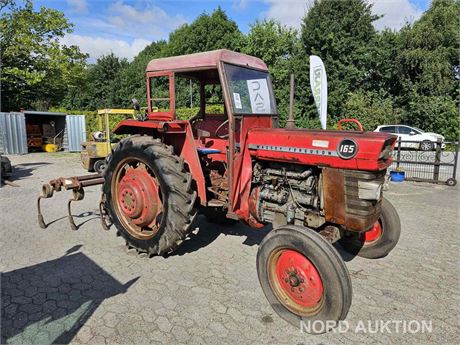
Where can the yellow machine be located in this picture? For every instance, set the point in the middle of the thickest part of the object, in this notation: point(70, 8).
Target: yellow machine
point(94, 152)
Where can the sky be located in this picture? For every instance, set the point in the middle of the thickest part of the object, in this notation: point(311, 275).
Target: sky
point(125, 27)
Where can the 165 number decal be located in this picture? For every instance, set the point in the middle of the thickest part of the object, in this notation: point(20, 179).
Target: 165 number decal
point(347, 149)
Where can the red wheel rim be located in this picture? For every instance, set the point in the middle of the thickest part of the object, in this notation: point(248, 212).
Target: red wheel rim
point(137, 198)
point(372, 235)
point(296, 281)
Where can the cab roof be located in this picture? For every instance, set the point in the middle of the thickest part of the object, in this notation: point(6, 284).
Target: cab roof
point(204, 60)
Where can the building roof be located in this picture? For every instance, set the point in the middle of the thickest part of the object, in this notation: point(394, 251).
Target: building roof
point(44, 113)
point(209, 59)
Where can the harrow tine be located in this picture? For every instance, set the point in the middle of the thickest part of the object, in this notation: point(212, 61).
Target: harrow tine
point(103, 213)
point(47, 192)
point(41, 221)
point(78, 194)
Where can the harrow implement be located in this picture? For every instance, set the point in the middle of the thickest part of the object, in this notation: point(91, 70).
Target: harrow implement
point(76, 184)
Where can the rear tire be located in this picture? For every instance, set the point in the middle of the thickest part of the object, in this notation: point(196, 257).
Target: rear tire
point(161, 185)
point(451, 182)
point(315, 286)
point(380, 240)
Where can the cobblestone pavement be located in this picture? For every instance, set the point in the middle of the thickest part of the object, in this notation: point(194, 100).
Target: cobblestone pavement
point(85, 287)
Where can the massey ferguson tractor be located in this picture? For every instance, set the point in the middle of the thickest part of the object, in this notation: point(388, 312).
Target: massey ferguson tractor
point(315, 187)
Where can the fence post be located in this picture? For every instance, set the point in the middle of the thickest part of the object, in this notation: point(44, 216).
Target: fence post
point(457, 147)
point(437, 160)
point(398, 156)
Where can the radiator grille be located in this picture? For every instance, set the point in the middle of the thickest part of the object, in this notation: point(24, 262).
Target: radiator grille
point(355, 205)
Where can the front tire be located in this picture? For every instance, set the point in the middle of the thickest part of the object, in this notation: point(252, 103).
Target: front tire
point(100, 166)
point(148, 195)
point(304, 278)
point(380, 240)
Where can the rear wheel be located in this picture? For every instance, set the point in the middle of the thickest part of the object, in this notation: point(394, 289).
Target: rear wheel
point(304, 278)
point(426, 145)
point(148, 195)
point(380, 239)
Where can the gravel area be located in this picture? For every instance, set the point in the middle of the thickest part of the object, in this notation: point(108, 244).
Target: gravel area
point(86, 287)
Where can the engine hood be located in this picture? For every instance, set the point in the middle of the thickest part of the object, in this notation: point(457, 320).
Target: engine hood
point(338, 149)
point(434, 135)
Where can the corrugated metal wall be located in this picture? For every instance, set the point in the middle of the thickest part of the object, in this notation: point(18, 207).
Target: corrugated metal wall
point(75, 131)
point(13, 135)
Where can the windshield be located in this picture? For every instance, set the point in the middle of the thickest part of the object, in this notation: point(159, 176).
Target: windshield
point(418, 129)
point(250, 90)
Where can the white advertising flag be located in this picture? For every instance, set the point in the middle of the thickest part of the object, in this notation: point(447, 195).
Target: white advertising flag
point(318, 83)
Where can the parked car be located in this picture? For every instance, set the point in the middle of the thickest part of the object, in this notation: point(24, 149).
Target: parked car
point(419, 139)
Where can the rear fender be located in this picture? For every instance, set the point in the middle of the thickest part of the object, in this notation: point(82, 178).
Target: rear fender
point(179, 135)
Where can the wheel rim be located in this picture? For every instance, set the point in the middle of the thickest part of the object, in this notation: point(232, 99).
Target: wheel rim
point(372, 235)
point(295, 281)
point(137, 198)
point(426, 146)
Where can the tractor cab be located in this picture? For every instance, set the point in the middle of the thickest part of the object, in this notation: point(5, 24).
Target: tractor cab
point(227, 90)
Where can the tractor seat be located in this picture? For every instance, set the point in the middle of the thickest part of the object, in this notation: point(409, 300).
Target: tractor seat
point(206, 151)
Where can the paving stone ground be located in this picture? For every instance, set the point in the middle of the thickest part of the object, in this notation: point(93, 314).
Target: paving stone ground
point(85, 287)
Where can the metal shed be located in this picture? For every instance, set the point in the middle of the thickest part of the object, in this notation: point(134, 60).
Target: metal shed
point(13, 137)
point(16, 136)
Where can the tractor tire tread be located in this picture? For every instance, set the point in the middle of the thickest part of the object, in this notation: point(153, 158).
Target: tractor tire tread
point(177, 189)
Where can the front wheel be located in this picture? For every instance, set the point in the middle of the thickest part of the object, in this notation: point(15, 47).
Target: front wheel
point(304, 278)
point(380, 239)
point(100, 166)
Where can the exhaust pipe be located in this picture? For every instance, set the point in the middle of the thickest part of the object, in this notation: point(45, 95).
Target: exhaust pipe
point(290, 123)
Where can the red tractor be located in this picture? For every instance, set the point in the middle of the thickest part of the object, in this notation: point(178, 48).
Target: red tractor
point(315, 187)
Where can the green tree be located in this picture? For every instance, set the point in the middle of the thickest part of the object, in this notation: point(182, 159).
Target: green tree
point(381, 61)
point(428, 64)
point(207, 32)
point(36, 69)
point(133, 77)
point(371, 109)
point(106, 82)
point(102, 86)
point(276, 45)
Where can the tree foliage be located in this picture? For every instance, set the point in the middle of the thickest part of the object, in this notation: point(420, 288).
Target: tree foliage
point(340, 33)
point(207, 32)
point(276, 45)
point(36, 69)
point(409, 76)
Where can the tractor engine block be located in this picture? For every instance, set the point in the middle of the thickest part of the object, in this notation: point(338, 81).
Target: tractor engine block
point(286, 194)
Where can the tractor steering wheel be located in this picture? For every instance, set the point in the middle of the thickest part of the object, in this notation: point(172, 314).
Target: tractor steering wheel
point(223, 136)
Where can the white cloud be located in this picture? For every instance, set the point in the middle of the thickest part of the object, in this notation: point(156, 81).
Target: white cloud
point(98, 46)
point(123, 30)
point(396, 12)
point(151, 20)
point(78, 6)
point(240, 4)
point(288, 12)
